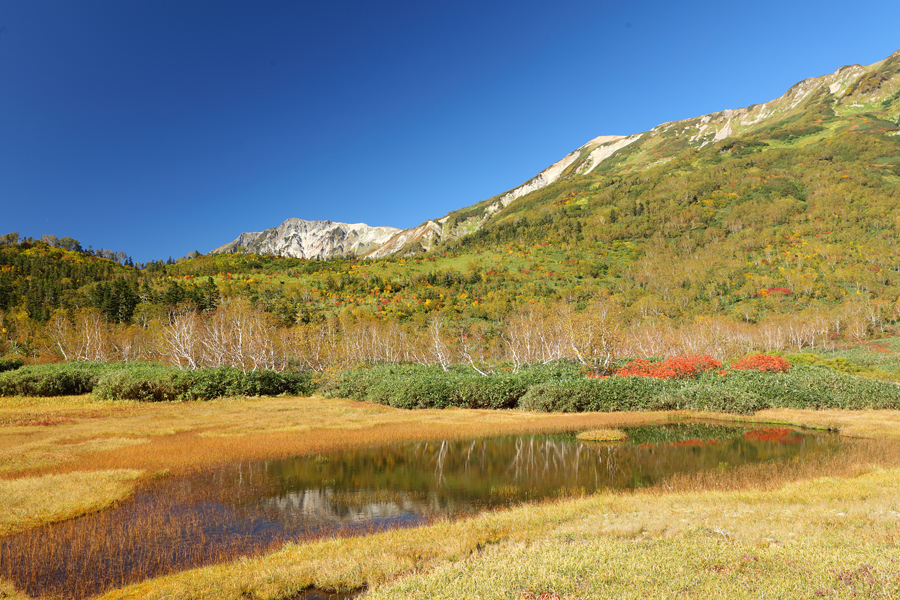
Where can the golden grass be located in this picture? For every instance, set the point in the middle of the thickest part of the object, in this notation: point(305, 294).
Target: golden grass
point(799, 528)
point(602, 435)
point(8, 592)
point(85, 434)
point(684, 524)
point(35, 501)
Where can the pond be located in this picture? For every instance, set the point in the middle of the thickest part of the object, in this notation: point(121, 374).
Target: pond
point(175, 523)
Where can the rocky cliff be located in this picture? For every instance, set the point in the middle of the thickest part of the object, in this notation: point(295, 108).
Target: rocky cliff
point(312, 239)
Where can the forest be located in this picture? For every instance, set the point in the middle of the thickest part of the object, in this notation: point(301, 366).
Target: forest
point(781, 238)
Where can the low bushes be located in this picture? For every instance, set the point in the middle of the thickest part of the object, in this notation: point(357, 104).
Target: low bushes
point(752, 384)
point(155, 383)
point(762, 362)
point(430, 386)
point(679, 367)
point(63, 379)
point(10, 364)
point(738, 391)
point(150, 382)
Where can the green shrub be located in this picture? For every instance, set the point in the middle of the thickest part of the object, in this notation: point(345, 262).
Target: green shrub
point(562, 387)
point(145, 383)
point(605, 395)
point(494, 391)
point(11, 364)
point(157, 383)
point(733, 393)
point(62, 379)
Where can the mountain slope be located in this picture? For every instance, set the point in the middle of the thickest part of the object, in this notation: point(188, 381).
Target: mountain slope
point(810, 112)
point(800, 112)
point(311, 239)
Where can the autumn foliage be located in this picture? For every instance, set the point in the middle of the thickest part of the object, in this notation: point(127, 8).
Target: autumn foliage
point(678, 367)
point(762, 362)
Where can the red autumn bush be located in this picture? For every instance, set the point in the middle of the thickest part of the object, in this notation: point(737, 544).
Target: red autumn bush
point(679, 367)
point(762, 362)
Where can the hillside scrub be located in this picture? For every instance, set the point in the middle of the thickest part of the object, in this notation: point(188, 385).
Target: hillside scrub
point(681, 383)
point(10, 364)
point(780, 237)
point(563, 387)
point(150, 382)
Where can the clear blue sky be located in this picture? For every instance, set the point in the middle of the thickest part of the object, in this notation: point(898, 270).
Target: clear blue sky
point(158, 127)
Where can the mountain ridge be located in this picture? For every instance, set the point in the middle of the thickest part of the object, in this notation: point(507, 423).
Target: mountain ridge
point(299, 238)
point(849, 88)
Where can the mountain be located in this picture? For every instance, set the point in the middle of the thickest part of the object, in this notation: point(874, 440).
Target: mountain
point(311, 239)
point(800, 112)
point(854, 98)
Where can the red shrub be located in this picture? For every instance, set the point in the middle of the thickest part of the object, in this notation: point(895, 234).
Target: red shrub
point(762, 362)
point(679, 367)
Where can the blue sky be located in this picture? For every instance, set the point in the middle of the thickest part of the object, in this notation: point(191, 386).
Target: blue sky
point(165, 126)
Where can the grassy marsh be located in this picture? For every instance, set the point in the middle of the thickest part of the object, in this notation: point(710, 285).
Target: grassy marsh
point(807, 527)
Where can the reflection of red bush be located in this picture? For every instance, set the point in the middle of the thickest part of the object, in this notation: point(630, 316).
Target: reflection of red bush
point(776, 435)
point(690, 442)
point(762, 362)
point(679, 367)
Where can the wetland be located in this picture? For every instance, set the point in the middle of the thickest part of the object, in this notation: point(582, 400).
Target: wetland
point(176, 522)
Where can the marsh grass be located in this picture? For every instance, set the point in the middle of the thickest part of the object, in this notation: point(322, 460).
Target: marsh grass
point(602, 435)
point(187, 436)
point(803, 520)
point(153, 535)
point(35, 501)
point(179, 438)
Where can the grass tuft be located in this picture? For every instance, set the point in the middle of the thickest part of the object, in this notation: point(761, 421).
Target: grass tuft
point(602, 435)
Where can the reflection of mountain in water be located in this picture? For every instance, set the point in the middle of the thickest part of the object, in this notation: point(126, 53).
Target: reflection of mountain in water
point(450, 477)
point(314, 507)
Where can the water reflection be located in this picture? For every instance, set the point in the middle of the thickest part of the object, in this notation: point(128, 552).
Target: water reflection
point(448, 477)
point(249, 507)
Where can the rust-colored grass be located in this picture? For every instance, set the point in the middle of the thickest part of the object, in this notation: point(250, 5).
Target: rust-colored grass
point(183, 436)
point(809, 518)
point(71, 437)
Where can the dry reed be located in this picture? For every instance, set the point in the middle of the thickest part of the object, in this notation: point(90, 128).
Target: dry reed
point(179, 438)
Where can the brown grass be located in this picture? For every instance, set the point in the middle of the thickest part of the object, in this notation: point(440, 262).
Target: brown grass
point(602, 435)
point(184, 436)
point(34, 501)
point(775, 516)
point(66, 438)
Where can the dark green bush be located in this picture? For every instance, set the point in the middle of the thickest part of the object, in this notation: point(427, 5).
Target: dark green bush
point(62, 379)
point(150, 382)
point(156, 383)
point(818, 387)
point(606, 395)
point(430, 386)
point(495, 391)
point(146, 383)
point(11, 364)
point(741, 392)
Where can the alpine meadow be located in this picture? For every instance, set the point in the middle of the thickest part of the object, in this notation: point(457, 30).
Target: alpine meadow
point(737, 274)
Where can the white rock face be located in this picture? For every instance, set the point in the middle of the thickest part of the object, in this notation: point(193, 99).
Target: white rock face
point(312, 239)
point(426, 235)
point(609, 145)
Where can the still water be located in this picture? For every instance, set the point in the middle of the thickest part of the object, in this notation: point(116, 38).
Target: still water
point(246, 508)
